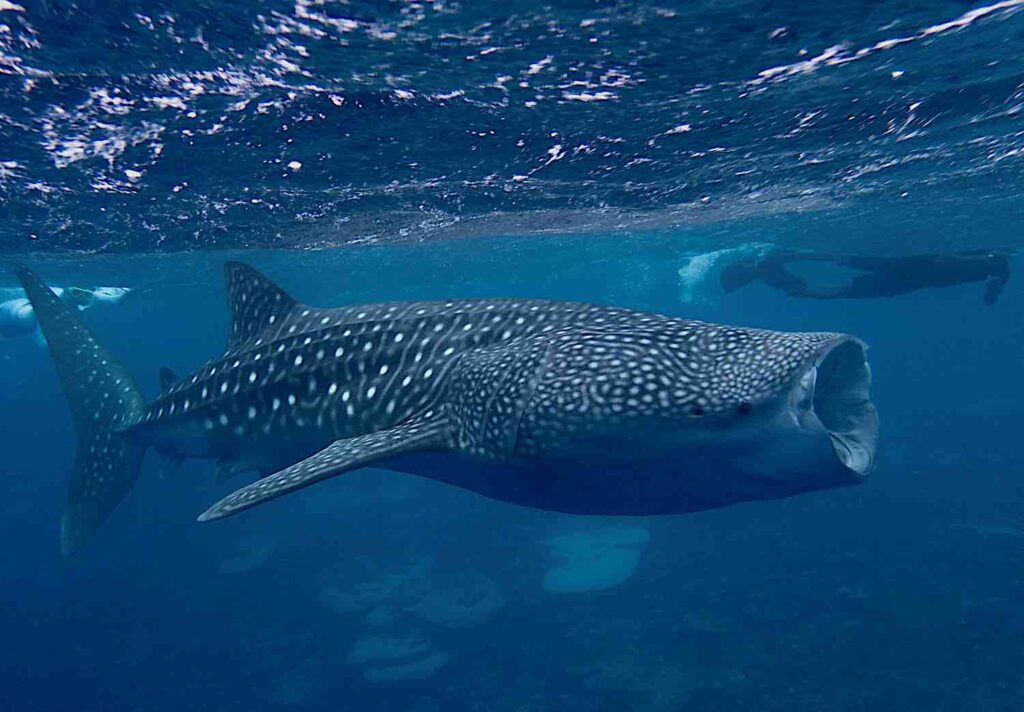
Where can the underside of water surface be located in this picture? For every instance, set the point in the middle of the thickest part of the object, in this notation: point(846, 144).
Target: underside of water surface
point(135, 127)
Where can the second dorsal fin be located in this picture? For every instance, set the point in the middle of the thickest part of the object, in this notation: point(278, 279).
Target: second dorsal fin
point(254, 303)
point(167, 378)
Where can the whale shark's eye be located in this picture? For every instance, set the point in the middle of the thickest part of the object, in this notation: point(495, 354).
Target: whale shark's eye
point(696, 410)
point(745, 407)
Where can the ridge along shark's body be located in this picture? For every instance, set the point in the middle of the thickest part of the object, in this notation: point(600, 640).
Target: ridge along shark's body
point(553, 405)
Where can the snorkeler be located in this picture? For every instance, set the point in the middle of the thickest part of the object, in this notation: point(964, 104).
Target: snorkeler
point(880, 276)
point(17, 318)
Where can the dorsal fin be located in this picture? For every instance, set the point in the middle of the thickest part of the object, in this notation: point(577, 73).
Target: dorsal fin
point(167, 378)
point(254, 303)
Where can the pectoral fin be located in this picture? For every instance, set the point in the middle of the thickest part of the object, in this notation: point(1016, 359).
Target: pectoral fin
point(341, 456)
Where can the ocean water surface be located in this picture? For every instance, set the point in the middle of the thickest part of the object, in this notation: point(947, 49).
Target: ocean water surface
point(618, 153)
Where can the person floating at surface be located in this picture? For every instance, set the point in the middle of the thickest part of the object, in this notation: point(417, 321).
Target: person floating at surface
point(880, 276)
point(17, 317)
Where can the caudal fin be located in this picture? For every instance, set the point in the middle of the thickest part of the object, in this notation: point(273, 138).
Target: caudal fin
point(103, 399)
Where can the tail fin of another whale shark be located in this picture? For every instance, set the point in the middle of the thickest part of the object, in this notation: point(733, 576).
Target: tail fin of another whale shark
point(103, 399)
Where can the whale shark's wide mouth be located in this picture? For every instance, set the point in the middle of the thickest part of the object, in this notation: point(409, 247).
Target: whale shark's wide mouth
point(835, 390)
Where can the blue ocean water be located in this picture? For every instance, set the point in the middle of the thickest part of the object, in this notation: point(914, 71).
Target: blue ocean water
point(617, 153)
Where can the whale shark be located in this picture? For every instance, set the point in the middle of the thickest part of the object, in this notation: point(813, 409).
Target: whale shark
point(559, 406)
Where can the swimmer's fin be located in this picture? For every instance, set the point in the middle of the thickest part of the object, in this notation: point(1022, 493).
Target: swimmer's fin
point(167, 378)
point(337, 458)
point(77, 297)
point(103, 398)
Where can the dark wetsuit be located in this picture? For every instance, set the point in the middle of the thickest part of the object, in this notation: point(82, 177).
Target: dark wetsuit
point(881, 276)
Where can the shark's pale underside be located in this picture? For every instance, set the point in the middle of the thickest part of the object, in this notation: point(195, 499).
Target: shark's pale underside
point(554, 405)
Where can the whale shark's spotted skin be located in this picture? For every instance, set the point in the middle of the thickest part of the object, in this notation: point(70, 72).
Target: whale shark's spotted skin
point(102, 391)
point(354, 370)
point(551, 404)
